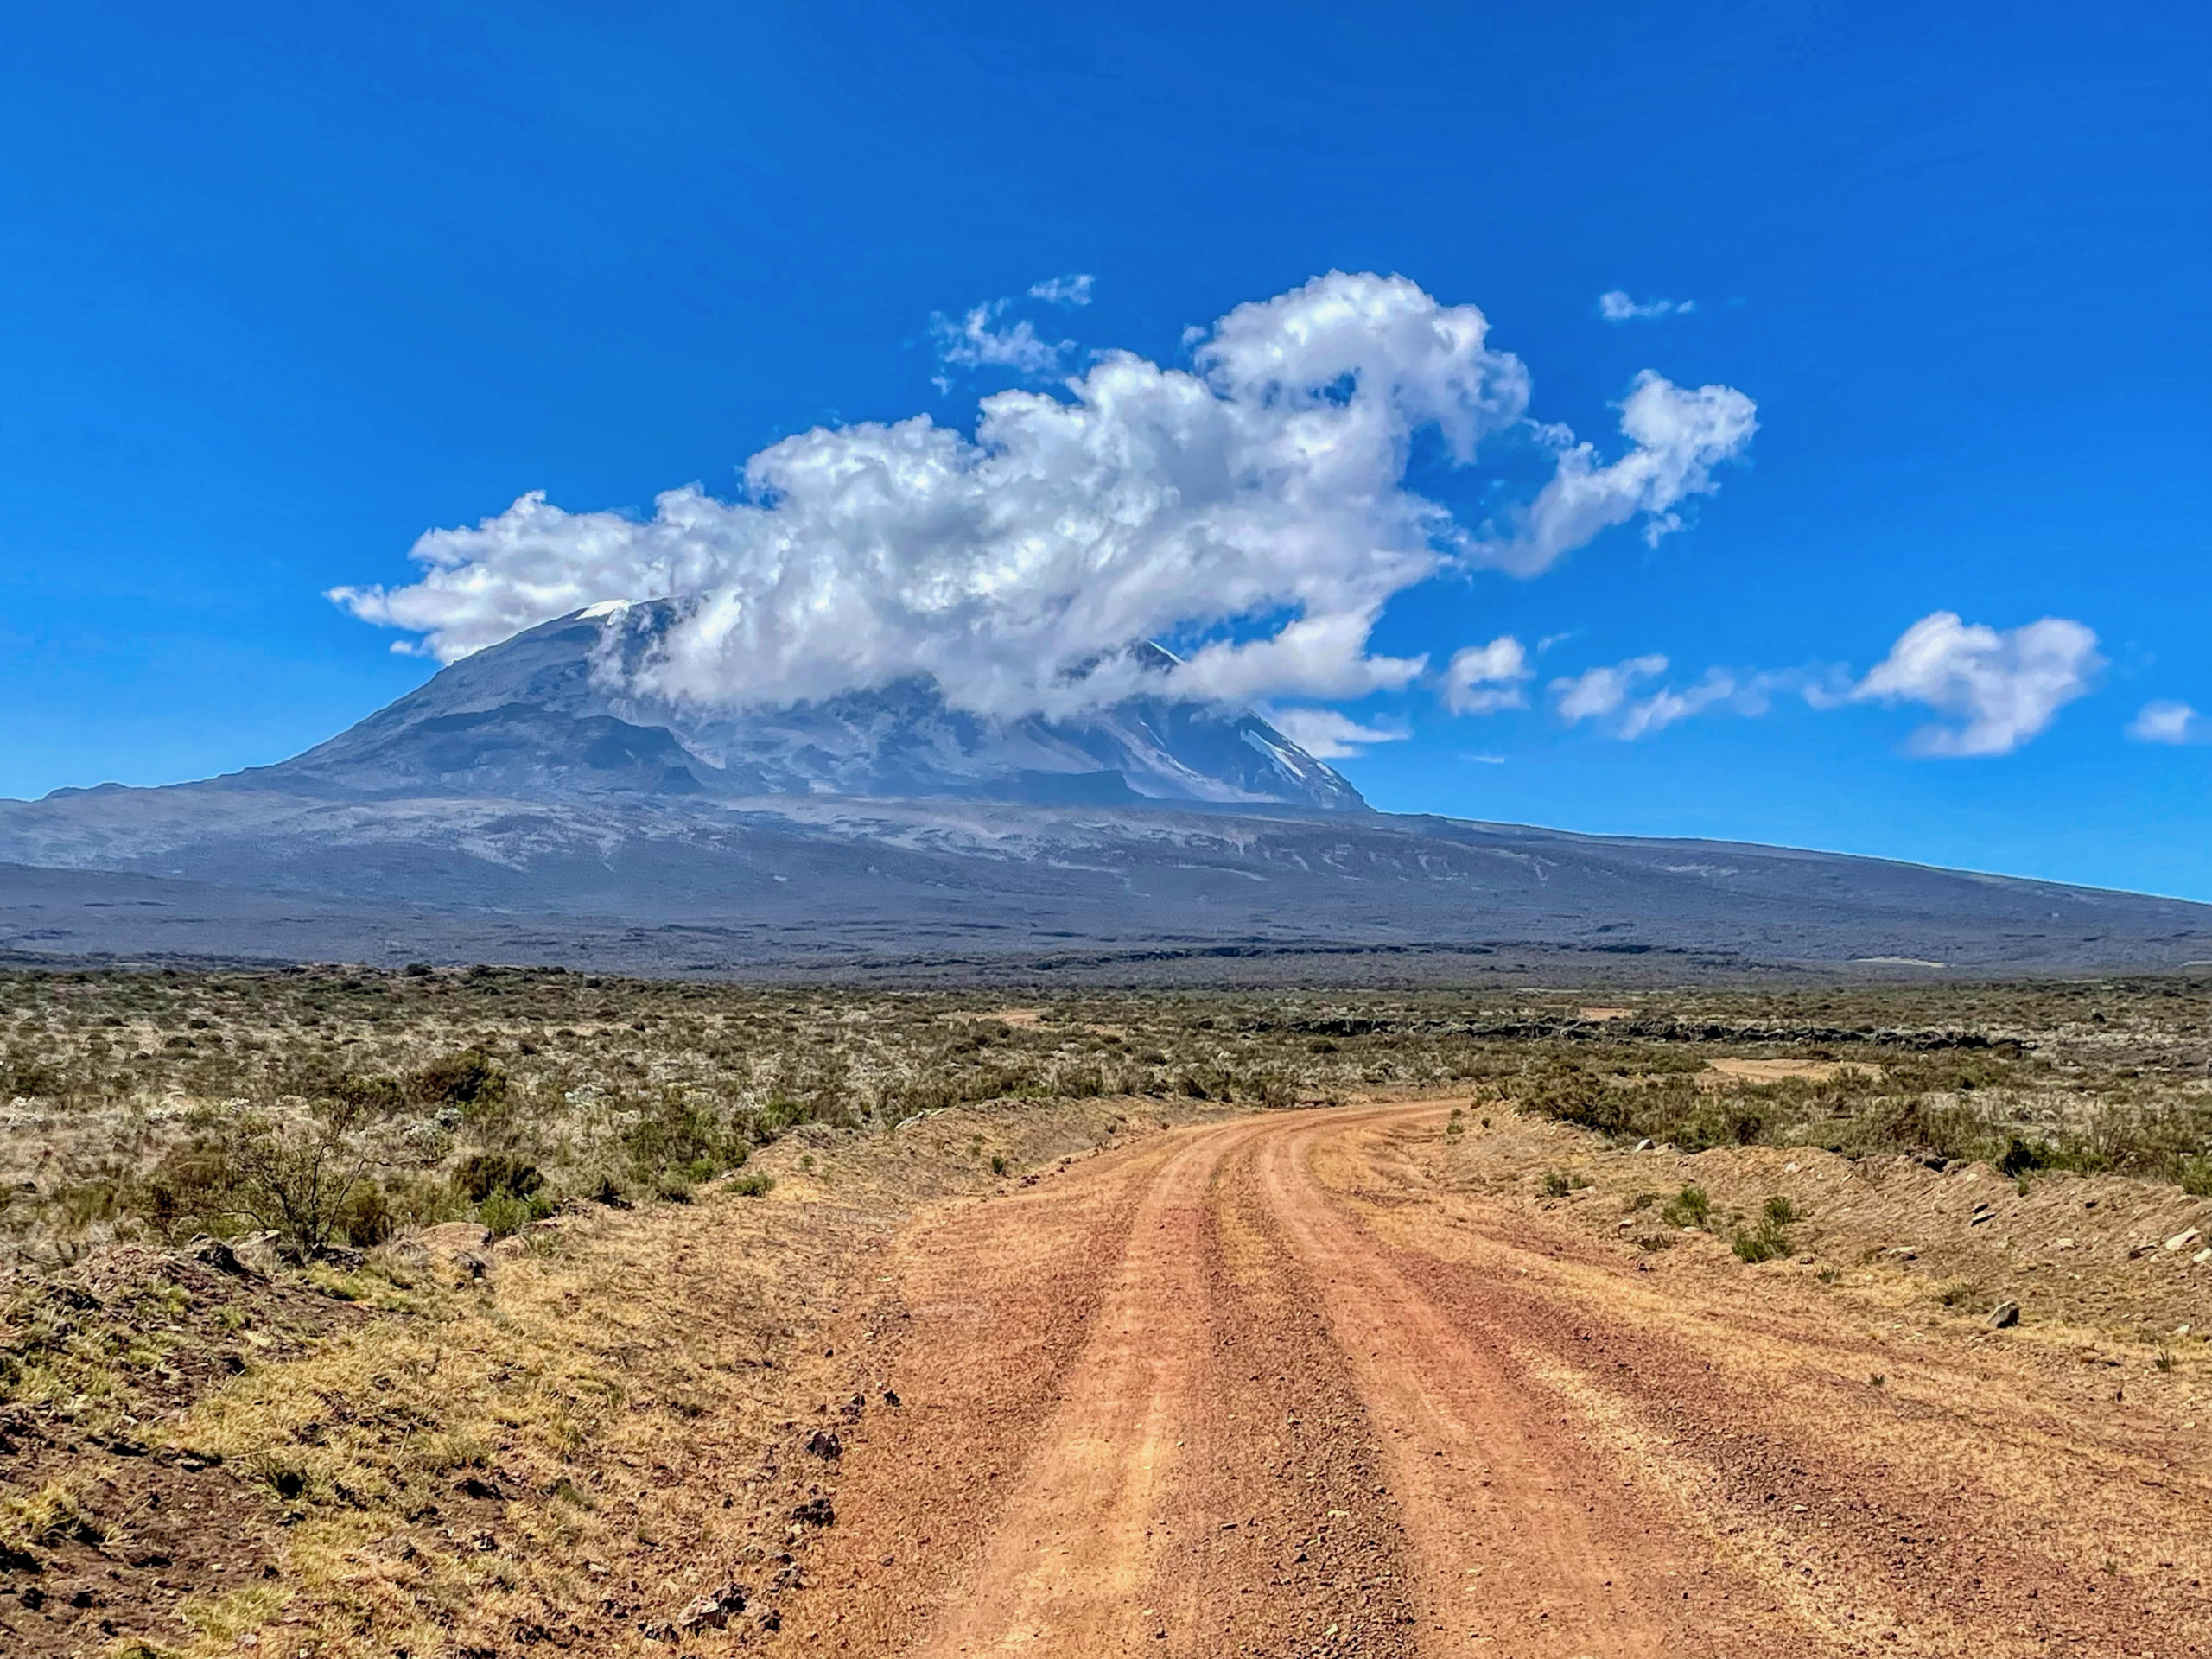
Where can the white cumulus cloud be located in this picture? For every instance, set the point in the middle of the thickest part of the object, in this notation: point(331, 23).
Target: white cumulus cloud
point(1615, 306)
point(2166, 722)
point(1482, 679)
point(1997, 690)
point(1676, 437)
point(1252, 509)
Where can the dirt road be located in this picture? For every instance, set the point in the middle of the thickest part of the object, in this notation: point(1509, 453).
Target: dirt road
point(1282, 1386)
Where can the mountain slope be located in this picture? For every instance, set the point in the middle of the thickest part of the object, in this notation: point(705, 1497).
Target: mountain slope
point(551, 711)
point(520, 806)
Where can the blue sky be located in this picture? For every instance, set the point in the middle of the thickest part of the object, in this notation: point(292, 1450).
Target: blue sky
point(287, 288)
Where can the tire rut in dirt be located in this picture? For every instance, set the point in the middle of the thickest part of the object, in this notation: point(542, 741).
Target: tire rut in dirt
point(1873, 1516)
point(1526, 1539)
point(995, 1306)
point(1287, 1538)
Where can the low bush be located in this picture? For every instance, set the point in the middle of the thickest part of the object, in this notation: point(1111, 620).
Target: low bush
point(483, 1173)
point(1770, 1237)
point(1687, 1208)
point(503, 1213)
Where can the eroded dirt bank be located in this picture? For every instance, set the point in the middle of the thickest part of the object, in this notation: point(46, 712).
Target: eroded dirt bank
point(1297, 1383)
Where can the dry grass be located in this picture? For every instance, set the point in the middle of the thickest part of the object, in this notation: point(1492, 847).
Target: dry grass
point(571, 1447)
point(567, 1447)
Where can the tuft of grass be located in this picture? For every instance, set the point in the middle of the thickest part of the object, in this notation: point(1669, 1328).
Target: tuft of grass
point(1764, 1243)
point(54, 1514)
point(752, 1186)
point(223, 1619)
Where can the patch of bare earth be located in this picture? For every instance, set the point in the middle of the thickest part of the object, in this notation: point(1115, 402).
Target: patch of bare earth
point(1379, 1379)
point(1344, 1382)
point(593, 1438)
point(1720, 1073)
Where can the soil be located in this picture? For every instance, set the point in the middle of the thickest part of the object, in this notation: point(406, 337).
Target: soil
point(1775, 1071)
point(162, 1526)
point(1342, 1381)
point(1386, 1379)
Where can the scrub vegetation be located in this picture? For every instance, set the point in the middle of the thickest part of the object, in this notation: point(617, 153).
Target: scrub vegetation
point(381, 1311)
point(329, 1107)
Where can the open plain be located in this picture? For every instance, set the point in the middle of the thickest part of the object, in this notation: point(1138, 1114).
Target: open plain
point(648, 1318)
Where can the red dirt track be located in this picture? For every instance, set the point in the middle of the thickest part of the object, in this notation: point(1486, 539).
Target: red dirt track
point(1282, 1386)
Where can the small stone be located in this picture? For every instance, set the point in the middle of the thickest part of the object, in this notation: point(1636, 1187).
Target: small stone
point(218, 1255)
point(712, 1612)
point(2183, 1241)
point(2004, 1315)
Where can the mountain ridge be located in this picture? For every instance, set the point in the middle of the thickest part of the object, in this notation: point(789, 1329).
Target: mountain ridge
point(555, 707)
point(519, 806)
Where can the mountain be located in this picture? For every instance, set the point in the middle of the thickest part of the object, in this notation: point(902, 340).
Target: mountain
point(551, 711)
point(525, 806)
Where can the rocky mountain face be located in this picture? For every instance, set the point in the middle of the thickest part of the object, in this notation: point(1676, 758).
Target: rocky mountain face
point(552, 711)
point(526, 806)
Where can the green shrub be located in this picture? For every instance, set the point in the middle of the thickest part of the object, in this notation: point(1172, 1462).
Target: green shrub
point(365, 1219)
point(470, 1079)
point(483, 1173)
point(1765, 1241)
point(506, 1212)
point(752, 1187)
point(678, 1137)
point(1687, 1208)
point(294, 1177)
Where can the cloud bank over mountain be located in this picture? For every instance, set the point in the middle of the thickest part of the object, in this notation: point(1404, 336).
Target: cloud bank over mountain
point(1254, 506)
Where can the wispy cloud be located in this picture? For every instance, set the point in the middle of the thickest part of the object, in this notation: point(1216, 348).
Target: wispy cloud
point(1997, 690)
point(1071, 289)
point(2167, 722)
point(1616, 306)
point(1613, 697)
point(1482, 679)
point(1677, 436)
point(1330, 734)
point(975, 341)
